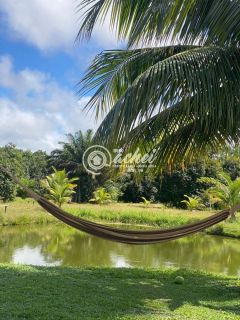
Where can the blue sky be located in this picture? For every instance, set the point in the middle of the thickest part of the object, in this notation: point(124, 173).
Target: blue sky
point(40, 66)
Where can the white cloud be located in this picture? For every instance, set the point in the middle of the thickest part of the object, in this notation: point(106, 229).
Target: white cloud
point(40, 111)
point(26, 129)
point(49, 25)
point(25, 80)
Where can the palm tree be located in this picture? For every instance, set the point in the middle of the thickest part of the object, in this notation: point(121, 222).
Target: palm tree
point(60, 188)
point(69, 157)
point(71, 154)
point(176, 88)
point(223, 189)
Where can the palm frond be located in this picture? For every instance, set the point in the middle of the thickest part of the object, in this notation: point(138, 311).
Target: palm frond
point(122, 14)
point(187, 142)
point(180, 100)
point(112, 72)
point(188, 22)
point(204, 80)
point(145, 21)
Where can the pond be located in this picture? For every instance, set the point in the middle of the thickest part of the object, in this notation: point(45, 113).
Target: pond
point(56, 244)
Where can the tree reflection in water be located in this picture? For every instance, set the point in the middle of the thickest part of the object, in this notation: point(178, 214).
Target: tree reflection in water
point(55, 244)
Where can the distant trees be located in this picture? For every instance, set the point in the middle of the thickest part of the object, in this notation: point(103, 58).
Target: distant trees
point(7, 188)
point(29, 166)
point(169, 187)
point(133, 188)
point(114, 189)
point(130, 188)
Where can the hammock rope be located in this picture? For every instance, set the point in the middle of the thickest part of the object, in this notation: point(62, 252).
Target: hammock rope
point(121, 235)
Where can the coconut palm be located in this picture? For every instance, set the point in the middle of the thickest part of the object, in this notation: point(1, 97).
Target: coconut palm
point(176, 88)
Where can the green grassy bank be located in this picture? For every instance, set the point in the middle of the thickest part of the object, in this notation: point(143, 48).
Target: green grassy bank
point(29, 212)
point(29, 292)
point(155, 215)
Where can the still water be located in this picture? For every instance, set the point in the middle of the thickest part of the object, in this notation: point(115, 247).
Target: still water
point(55, 244)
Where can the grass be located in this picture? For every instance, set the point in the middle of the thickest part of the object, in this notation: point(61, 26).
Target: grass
point(23, 212)
point(28, 212)
point(154, 215)
point(29, 292)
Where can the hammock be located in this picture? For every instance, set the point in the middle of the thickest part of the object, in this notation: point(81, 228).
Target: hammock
point(121, 235)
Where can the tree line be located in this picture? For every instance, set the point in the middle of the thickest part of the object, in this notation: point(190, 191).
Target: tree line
point(168, 187)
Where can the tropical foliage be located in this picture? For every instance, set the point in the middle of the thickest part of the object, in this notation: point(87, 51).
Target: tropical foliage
point(101, 196)
point(181, 99)
point(168, 187)
point(7, 188)
point(223, 190)
point(59, 187)
point(192, 203)
point(29, 166)
point(69, 157)
point(133, 189)
point(114, 189)
point(29, 184)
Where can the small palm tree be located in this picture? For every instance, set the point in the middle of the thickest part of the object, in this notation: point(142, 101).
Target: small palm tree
point(101, 196)
point(223, 189)
point(70, 157)
point(59, 187)
point(193, 203)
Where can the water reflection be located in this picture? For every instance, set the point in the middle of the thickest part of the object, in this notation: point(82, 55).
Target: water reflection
point(56, 244)
point(32, 256)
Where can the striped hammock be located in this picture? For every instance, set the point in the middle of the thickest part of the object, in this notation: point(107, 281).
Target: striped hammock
point(121, 235)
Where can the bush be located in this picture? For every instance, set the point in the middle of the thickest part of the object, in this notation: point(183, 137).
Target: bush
point(114, 189)
point(193, 203)
point(7, 188)
point(101, 196)
point(28, 183)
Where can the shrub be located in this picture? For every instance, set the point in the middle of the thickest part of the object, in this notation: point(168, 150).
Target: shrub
point(193, 202)
point(59, 187)
point(101, 196)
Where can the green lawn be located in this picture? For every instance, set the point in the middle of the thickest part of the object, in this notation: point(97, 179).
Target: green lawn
point(29, 292)
point(28, 212)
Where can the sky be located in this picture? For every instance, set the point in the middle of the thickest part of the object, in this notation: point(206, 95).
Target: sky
point(40, 66)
